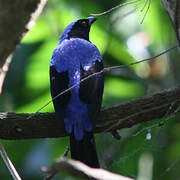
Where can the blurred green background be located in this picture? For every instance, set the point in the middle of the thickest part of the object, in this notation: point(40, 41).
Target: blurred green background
point(121, 38)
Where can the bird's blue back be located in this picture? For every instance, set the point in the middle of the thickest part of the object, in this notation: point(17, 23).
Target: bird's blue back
point(70, 56)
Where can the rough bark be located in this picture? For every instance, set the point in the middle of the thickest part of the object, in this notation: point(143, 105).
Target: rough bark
point(173, 9)
point(16, 18)
point(44, 125)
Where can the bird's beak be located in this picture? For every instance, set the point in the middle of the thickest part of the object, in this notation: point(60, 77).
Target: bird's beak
point(91, 20)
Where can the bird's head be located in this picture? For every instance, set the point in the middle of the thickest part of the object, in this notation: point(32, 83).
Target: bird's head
point(78, 29)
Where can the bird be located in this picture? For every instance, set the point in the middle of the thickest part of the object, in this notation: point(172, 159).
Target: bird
point(77, 110)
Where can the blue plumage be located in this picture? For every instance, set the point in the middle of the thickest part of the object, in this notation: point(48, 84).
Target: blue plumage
point(69, 56)
point(74, 58)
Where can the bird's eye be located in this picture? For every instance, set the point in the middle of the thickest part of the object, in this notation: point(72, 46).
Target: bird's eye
point(84, 24)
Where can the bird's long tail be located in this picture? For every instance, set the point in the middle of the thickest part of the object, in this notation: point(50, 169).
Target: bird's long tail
point(84, 150)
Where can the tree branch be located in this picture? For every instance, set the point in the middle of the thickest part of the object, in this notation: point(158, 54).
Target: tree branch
point(81, 171)
point(15, 20)
point(173, 9)
point(9, 164)
point(43, 125)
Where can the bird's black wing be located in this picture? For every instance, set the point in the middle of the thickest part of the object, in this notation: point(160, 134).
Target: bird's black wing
point(91, 90)
point(59, 82)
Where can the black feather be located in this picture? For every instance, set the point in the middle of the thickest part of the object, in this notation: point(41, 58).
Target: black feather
point(91, 90)
point(59, 83)
point(84, 150)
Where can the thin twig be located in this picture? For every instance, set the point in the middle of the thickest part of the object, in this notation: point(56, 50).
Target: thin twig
point(114, 8)
point(8, 163)
point(140, 61)
point(66, 152)
point(146, 10)
point(167, 118)
point(172, 165)
point(144, 5)
point(54, 172)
